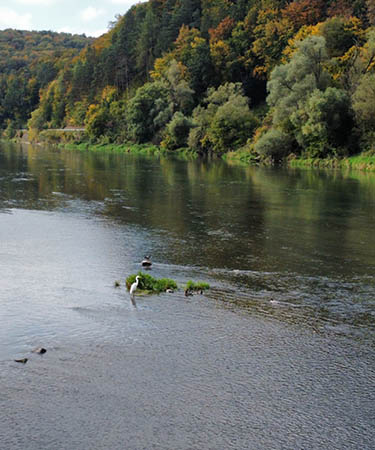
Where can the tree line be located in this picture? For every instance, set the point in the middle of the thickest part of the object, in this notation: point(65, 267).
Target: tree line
point(274, 77)
point(29, 61)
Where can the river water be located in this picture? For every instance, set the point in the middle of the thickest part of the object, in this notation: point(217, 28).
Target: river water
point(289, 256)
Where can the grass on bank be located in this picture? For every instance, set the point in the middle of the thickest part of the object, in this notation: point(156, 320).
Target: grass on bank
point(358, 162)
point(78, 140)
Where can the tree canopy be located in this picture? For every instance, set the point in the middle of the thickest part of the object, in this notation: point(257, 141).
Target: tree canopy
point(212, 75)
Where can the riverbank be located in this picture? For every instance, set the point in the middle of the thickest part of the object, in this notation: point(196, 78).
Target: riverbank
point(363, 162)
point(358, 162)
point(73, 139)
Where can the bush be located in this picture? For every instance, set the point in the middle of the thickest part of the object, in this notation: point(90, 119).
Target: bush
point(328, 123)
point(225, 123)
point(232, 125)
point(148, 112)
point(198, 286)
point(151, 284)
point(176, 132)
point(275, 144)
point(10, 131)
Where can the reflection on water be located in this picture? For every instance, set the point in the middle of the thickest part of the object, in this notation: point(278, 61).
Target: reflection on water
point(296, 244)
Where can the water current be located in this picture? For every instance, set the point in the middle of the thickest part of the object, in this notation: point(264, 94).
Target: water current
point(288, 251)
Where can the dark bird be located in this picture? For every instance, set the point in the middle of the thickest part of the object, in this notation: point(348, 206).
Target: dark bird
point(146, 262)
point(40, 350)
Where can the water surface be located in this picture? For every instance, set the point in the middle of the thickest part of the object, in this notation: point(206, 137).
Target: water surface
point(293, 244)
point(278, 353)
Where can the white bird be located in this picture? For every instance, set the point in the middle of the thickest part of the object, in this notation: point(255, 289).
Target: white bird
point(133, 288)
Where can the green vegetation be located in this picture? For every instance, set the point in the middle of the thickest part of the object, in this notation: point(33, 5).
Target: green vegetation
point(149, 284)
point(29, 62)
point(197, 286)
point(270, 79)
point(359, 162)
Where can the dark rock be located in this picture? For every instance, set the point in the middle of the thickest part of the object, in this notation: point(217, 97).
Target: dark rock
point(23, 360)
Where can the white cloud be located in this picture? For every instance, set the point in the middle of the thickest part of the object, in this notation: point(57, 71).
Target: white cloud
point(89, 33)
point(91, 13)
point(36, 2)
point(11, 19)
point(95, 33)
point(123, 2)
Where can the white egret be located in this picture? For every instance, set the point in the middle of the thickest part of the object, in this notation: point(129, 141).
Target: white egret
point(133, 288)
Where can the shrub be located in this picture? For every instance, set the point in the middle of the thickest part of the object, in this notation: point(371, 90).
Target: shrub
point(151, 284)
point(197, 286)
point(176, 132)
point(275, 144)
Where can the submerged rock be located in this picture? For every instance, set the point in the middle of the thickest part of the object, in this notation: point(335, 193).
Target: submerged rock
point(22, 361)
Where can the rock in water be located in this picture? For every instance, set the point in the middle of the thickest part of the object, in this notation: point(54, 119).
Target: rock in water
point(23, 360)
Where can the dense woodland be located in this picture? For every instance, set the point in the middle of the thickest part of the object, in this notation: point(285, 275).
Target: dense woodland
point(272, 78)
point(29, 61)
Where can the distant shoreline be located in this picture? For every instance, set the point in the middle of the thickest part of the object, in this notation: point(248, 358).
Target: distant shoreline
point(67, 138)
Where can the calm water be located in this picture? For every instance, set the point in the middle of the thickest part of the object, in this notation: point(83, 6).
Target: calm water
point(278, 354)
point(298, 245)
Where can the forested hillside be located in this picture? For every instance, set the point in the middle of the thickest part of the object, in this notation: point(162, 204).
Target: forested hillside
point(275, 77)
point(29, 61)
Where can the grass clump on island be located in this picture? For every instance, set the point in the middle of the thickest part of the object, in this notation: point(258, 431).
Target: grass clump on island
point(198, 286)
point(149, 284)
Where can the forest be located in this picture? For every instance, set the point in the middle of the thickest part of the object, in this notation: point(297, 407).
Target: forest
point(29, 61)
point(272, 78)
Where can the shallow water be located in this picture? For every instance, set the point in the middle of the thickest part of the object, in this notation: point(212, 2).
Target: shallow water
point(288, 324)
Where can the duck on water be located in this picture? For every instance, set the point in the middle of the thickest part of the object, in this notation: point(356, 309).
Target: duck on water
point(146, 262)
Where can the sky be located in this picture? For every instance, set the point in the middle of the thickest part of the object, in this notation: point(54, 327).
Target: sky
point(71, 16)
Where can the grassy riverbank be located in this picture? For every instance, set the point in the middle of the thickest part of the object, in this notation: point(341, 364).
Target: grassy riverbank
point(362, 161)
point(358, 162)
point(75, 141)
point(120, 148)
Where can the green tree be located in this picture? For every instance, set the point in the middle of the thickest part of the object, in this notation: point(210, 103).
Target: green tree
point(232, 124)
point(340, 35)
point(146, 43)
point(274, 144)
point(225, 123)
point(328, 123)
point(148, 112)
point(291, 84)
point(364, 102)
point(176, 132)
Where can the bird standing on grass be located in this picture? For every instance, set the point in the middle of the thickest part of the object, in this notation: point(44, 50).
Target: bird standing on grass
point(133, 288)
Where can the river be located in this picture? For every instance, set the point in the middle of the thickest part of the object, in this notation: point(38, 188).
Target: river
point(277, 354)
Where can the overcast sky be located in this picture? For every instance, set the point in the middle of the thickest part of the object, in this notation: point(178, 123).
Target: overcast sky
point(72, 16)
